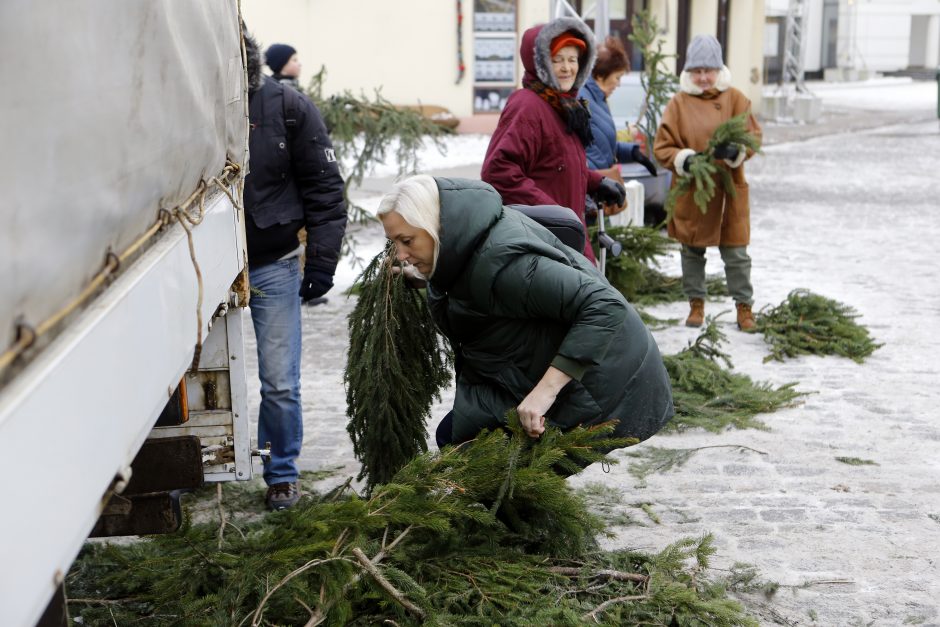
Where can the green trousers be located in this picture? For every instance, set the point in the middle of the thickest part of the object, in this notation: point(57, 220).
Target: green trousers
point(737, 272)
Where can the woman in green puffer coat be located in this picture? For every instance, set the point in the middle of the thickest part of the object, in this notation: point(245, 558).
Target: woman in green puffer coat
point(533, 324)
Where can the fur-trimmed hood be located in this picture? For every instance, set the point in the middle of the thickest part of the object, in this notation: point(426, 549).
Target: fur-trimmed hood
point(253, 53)
point(687, 86)
point(536, 51)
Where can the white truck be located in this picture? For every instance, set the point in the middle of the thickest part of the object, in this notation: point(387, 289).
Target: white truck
point(122, 265)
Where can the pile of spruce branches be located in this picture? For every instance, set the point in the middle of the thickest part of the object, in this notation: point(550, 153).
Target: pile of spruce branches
point(634, 273)
point(809, 324)
point(710, 396)
point(482, 534)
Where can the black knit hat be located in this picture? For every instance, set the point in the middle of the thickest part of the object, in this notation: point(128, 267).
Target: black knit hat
point(277, 56)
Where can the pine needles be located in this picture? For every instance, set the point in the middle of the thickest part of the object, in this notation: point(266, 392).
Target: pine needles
point(396, 367)
point(364, 130)
point(704, 169)
point(634, 275)
point(809, 324)
point(709, 396)
point(655, 459)
point(658, 80)
point(435, 546)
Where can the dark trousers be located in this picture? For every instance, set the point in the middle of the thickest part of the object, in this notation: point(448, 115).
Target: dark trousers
point(445, 431)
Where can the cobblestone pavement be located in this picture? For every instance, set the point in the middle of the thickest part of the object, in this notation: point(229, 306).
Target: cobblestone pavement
point(851, 214)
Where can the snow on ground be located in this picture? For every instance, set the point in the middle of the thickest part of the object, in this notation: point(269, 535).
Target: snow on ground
point(854, 217)
point(458, 150)
point(841, 216)
point(878, 94)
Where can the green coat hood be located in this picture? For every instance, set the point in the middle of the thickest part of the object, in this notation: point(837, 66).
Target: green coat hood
point(468, 210)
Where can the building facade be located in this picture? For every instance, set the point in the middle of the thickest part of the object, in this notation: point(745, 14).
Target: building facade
point(851, 39)
point(464, 55)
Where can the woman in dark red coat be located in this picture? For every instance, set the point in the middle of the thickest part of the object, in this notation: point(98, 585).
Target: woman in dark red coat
point(536, 155)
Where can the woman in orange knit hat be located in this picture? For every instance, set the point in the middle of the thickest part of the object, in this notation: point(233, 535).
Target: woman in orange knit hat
point(536, 155)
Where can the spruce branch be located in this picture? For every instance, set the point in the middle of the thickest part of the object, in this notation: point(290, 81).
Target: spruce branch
point(704, 168)
point(710, 396)
point(634, 272)
point(658, 81)
point(364, 130)
point(809, 324)
point(656, 459)
point(397, 365)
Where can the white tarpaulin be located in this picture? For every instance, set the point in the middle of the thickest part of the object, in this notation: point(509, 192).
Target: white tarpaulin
point(109, 110)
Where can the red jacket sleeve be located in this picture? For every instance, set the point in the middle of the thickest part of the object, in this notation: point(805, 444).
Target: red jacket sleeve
point(512, 152)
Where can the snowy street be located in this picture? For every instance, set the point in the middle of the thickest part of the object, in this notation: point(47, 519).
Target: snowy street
point(848, 208)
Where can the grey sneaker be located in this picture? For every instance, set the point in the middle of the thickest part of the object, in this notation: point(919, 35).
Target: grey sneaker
point(282, 495)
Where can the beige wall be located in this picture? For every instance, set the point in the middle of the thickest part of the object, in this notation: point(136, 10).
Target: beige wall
point(745, 55)
point(410, 53)
point(408, 48)
point(745, 34)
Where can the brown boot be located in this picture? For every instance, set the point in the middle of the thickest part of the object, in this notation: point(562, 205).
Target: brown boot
point(696, 313)
point(745, 318)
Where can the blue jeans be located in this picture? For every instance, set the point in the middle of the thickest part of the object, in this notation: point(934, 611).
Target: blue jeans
point(275, 313)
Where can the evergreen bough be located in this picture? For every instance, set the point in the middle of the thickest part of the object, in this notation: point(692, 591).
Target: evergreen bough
point(396, 367)
point(655, 459)
point(434, 546)
point(704, 168)
point(364, 130)
point(809, 324)
point(658, 81)
point(708, 396)
point(634, 275)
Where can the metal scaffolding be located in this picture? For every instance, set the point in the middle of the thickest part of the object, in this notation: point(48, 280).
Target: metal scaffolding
point(598, 11)
point(793, 49)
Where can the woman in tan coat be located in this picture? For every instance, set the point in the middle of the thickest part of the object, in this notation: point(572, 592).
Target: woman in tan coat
point(705, 100)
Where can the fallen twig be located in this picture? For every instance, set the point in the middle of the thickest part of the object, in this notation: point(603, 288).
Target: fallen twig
point(321, 612)
point(593, 614)
point(386, 584)
point(222, 521)
point(825, 582)
point(256, 617)
point(572, 571)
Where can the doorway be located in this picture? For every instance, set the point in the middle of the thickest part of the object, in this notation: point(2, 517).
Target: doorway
point(920, 25)
point(830, 34)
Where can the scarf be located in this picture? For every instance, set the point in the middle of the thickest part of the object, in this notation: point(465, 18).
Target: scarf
point(573, 110)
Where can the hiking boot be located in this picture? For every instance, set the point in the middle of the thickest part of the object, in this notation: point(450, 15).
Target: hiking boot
point(282, 495)
point(696, 313)
point(745, 318)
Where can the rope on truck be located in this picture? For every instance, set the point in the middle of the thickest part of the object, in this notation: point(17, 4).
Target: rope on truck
point(27, 335)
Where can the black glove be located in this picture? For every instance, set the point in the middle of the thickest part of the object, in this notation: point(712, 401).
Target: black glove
point(643, 160)
point(687, 164)
point(316, 283)
point(726, 151)
point(610, 192)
